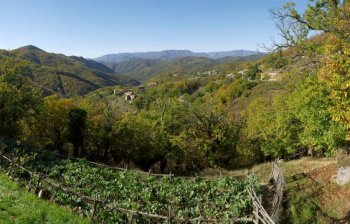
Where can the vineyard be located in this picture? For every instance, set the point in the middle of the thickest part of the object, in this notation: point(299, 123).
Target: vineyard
point(110, 196)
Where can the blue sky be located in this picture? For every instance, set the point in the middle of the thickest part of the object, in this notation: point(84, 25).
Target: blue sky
point(93, 28)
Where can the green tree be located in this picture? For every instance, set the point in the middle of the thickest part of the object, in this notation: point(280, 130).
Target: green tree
point(50, 128)
point(101, 134)
point(311, 103)
point(208, 138)
point(273, 124)
point(330, 17)
point(76, 129)
point(253, 71)
point(18, 99)
point(141, 140)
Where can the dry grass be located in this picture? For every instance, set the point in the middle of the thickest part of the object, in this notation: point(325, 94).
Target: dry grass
point(263, 170)
point(334, 199)
point(317, 198)
point(312, 197)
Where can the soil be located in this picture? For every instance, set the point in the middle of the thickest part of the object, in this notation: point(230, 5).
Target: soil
point(267, 197)
point(334, 199)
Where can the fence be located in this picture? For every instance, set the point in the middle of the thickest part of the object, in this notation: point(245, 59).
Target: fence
point(260, 215)
point(279, 182)
point(150, 173)
point(170, 218)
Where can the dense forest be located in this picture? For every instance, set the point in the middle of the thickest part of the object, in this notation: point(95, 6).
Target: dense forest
point(192, 120)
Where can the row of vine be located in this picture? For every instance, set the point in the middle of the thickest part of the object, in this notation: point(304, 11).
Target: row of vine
point(113, 194)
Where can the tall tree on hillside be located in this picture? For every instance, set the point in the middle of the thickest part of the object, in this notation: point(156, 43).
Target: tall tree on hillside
point(49, 129)
point(101, 135)
point(18, 99)
point(330, 18)
point(76, 133)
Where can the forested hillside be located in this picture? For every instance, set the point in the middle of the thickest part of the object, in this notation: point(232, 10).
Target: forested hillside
point(188, 115)
point(228, 115)
point(169, 55)
point(67, 76)
point(215, 115)
point(145, 69)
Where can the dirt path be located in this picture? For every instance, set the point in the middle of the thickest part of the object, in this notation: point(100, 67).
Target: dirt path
point(268, 193)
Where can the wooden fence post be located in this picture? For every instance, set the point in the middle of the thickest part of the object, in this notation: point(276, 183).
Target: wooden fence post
point(30, 183)
point(10, 169)
point(256, 213)
point(170, 216)
point(94, 209)
point(37, 184)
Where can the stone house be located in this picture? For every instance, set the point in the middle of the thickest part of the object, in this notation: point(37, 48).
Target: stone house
point(119, 92)
point(230, 76)
point(129, 96)
point(151, 84)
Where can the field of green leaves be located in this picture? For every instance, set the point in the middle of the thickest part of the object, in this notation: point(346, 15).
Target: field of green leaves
point(107, 195)
point(223, 199)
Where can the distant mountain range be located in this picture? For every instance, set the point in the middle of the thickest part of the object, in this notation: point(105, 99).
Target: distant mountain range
point(74, 76)
point(145, 65)
point(144, 69)
point(67, 76)
point(169, 55)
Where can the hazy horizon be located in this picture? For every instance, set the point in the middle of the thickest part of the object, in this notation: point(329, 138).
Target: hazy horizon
point(135, 52)
point(92, 29)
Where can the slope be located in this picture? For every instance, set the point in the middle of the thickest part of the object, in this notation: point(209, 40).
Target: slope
point(68, 76)
point(18, 206)
point(144, 69)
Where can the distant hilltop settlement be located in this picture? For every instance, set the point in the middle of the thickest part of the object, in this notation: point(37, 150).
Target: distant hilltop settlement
point(129, 95)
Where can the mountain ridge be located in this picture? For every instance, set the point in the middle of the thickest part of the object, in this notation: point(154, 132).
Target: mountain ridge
point(168, 55)
point(66, 75)
point(144, 69)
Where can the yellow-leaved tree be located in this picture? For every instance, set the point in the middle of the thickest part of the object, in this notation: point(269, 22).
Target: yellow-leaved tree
point(329, 18)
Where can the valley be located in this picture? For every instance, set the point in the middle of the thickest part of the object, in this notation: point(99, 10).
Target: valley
point(176, 136)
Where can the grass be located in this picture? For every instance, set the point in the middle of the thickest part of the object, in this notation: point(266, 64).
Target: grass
point(306, 201)
point(19, 206)
point(263, 170)
point(310, 197)
point(303, 202)
point(316, 198)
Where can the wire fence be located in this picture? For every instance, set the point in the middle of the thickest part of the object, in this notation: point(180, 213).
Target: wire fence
point(246, 172)
point(38, 183)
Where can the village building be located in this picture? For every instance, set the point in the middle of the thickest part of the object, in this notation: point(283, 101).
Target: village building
point(129, 96)
point(242, 72)
point(151, 84)
point(270, 75)
point(119, 92)
point(181, 99)
point(194, 78)
point(142, 88)
point(230, 76)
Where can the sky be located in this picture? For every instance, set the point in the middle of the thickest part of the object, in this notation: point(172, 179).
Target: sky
point(93, 28)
